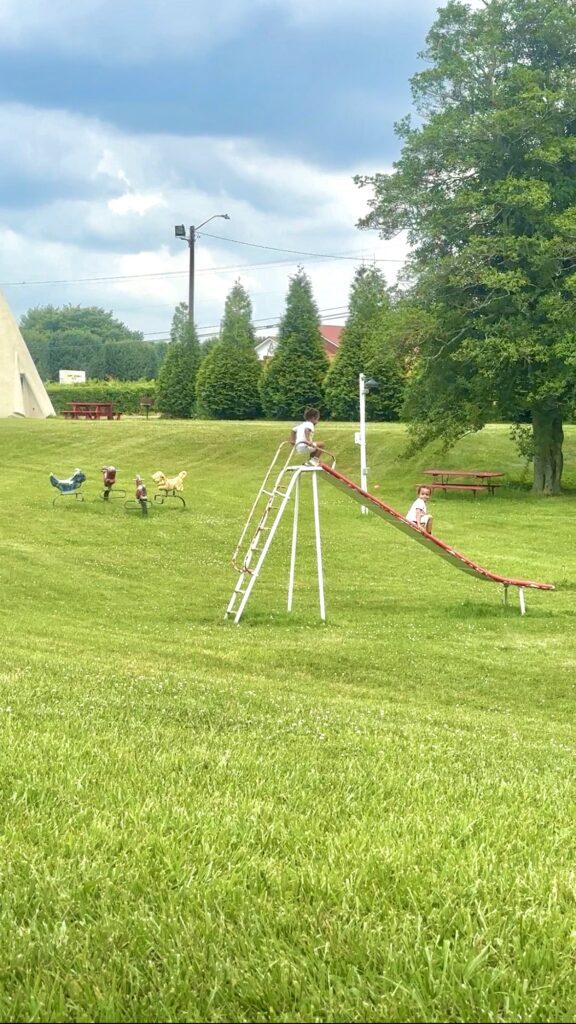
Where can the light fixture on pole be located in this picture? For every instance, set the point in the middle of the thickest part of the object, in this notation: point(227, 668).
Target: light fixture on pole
point(366, 385)
point(180, 232)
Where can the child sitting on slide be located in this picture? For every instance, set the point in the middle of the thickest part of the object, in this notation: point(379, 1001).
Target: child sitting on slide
point(418, 511)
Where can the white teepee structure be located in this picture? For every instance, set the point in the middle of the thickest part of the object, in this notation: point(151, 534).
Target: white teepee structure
point(22, 392)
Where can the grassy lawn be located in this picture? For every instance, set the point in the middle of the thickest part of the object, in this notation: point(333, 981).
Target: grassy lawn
point(366, 820)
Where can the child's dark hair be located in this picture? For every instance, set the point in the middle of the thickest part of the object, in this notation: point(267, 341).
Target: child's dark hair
point(311, 413)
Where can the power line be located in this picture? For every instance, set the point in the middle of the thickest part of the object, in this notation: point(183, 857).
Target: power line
point(329, 313)
point(177, 273)
point(134, 277)
point(298, 252)
point(89, 280)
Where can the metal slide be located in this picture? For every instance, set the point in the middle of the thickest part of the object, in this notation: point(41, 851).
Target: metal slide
point(432, 543)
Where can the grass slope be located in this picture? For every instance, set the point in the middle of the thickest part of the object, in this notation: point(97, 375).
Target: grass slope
point(371, 819)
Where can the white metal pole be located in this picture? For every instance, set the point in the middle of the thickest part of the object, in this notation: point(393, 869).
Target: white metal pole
point(522, 602)
point(318, 546)
point(363, 466)
point(294, 541)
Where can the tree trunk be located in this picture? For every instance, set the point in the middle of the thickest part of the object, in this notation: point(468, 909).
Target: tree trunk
point(548, 458)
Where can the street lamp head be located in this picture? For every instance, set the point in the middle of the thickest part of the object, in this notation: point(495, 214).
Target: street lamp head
point(180, 231)
point(215, 216)
point(371, 384)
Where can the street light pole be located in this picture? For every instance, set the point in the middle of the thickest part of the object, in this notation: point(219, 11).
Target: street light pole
point(362, 441)
point(364, 387)
point(180, 232)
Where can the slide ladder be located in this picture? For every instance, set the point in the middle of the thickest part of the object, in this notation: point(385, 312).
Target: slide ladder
point(263, 520)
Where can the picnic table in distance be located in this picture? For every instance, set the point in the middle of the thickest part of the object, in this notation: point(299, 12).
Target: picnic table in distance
point(91, 411)
point(473, 480)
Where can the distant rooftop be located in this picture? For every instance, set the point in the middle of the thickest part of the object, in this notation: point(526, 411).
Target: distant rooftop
point(330, 333)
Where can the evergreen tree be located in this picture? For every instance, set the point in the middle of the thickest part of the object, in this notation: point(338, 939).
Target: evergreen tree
point(383, 363)
point(175, 388)
point(207, 345)
point(363, 350)
point(227, 383)
point(294, 376)
point(391, 355)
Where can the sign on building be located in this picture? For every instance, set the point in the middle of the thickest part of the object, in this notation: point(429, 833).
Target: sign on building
point(72, 376)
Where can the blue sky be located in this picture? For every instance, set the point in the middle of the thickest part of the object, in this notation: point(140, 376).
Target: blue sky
point(122, 118)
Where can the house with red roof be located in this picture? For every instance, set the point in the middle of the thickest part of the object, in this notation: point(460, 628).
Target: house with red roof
point(331, 335)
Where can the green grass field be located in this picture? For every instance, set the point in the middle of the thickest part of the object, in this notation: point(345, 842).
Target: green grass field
point(366, 820)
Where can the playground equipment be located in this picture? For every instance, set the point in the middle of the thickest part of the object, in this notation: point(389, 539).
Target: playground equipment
point(70, 487)
point(287, 483)
point(264, 518)
point(109, 480)
point(140, 500)
point(169, 487)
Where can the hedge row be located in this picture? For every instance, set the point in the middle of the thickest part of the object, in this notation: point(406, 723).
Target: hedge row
point(126, 395)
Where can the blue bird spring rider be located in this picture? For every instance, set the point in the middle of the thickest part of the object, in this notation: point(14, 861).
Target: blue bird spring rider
point(70, 487)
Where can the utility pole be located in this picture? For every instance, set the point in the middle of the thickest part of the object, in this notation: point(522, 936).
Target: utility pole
point(192, 246)
point(180, 232)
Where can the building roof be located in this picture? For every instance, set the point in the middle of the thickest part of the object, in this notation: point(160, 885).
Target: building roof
point(330, 334)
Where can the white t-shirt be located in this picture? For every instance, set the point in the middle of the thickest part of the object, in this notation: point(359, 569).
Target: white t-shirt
point(418, 504)
point(300, 438)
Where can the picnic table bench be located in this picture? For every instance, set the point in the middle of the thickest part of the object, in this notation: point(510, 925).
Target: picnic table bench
point(474, 480)
point(91, 411)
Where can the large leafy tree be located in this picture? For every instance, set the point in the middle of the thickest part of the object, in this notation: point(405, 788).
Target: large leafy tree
point(364, 348)
point(133, 360)
point(486, 189)
point(175, 388)
point(227, 384)
point(294, 377)
point(73, 337)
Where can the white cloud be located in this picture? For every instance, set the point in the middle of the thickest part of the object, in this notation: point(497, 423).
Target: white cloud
point(136, 202)
point(108, 207)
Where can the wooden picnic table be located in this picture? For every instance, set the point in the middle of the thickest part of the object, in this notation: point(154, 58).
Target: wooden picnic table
point(91, 411)
point(463, 480)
